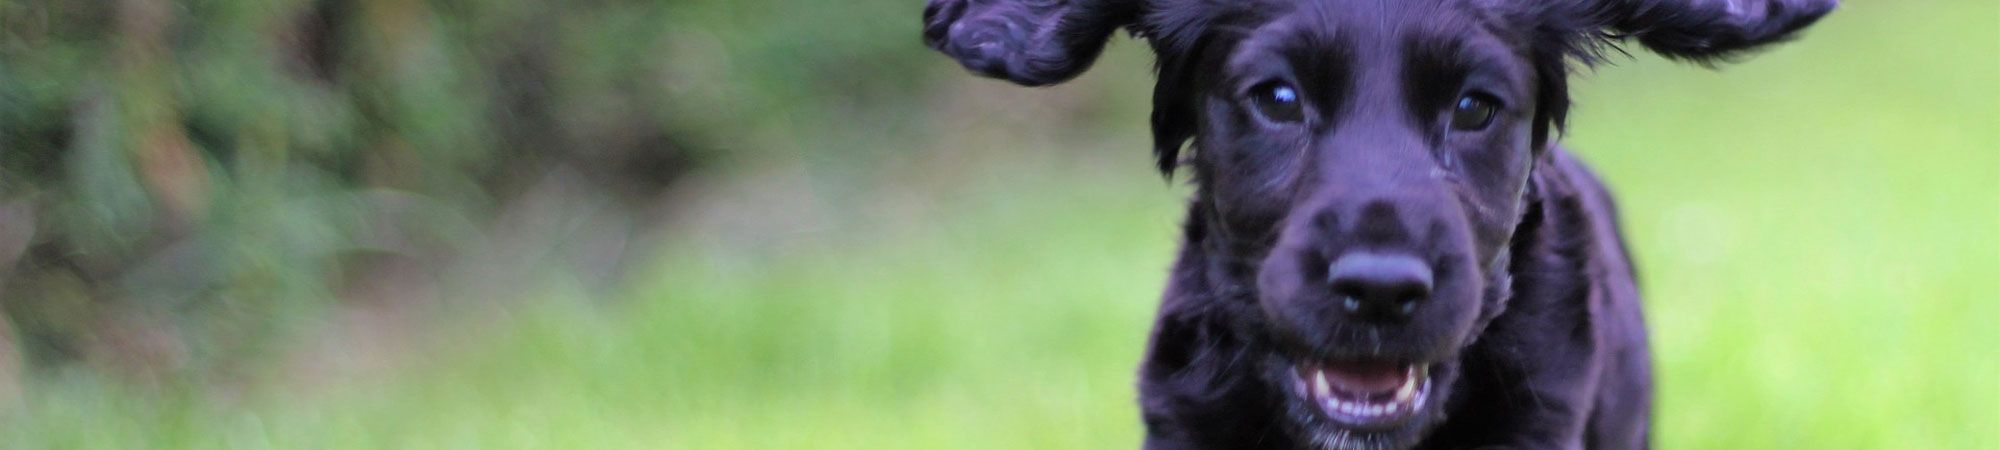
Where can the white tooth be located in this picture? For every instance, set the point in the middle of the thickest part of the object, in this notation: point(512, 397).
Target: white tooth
point(1320, 385)
point(1404, 393)
point(1409, 389)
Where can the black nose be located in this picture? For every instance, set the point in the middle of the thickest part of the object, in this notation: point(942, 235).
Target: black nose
point(1380, 287)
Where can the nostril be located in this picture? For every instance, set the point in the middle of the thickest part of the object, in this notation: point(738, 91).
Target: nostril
point(1379, 284)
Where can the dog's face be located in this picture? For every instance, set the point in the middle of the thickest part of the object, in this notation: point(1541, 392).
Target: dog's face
point(1370, 158)
point(1362, 164)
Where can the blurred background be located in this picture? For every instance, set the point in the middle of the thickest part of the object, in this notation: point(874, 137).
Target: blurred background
point(503, 224)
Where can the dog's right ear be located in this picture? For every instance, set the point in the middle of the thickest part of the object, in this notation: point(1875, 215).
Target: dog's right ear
point(1028, 42)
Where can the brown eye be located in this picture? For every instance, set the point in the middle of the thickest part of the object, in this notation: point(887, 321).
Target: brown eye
point(1473, 112)
point(1278, 102)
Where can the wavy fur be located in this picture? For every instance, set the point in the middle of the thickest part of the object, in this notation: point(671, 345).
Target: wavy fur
point(1533, 329)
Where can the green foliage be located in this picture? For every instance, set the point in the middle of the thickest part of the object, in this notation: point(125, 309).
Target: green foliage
point(873, 263)
point(214, 170)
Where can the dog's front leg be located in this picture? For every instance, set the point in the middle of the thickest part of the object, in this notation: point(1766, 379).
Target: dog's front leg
point(1165, 443)
point(1531, 381)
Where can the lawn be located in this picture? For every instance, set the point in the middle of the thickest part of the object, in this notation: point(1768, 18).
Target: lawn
point(1817, 231)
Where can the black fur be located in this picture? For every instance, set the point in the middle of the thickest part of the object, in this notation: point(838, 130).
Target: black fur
point(1030, 42)
point(1527, 318)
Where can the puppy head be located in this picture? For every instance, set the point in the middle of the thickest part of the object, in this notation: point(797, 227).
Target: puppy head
point(1362, 164)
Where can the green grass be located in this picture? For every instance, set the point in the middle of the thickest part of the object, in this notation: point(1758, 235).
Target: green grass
point(1818, 233)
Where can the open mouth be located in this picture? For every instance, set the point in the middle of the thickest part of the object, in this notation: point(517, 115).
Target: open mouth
point(1364, 395)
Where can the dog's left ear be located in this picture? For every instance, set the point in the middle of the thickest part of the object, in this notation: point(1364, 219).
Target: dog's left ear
point(1028, 42)
point(1706, 30)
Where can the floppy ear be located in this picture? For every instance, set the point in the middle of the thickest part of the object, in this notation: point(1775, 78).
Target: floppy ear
point(1704, 30)
point(1029, 42)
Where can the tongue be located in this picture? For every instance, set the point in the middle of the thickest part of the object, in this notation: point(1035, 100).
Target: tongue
point(1366, 378)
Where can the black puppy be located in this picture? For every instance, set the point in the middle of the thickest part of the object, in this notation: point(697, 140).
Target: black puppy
point(1385, 249)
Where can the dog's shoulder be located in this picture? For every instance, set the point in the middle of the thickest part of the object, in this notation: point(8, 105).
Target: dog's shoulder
point(1195, 388)
point(1594, 198)
point(1568, 357)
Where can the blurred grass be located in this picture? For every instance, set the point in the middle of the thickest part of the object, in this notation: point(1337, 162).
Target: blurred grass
point(1818, 233)
point(1821, 238)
